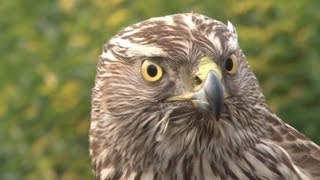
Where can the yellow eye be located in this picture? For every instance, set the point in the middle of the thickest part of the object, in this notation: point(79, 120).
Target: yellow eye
point(151, 71)
point(231, 64)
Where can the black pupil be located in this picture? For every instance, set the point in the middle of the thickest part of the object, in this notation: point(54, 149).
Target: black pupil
point(229, 64)
point(152, 70)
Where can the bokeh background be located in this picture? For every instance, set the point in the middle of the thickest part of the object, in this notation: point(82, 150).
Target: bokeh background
point(49, 51)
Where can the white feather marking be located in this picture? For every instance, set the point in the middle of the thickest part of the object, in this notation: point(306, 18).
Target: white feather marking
point(284, 169)
point(169, 20)
point(128, 31)
point(106, 172)
point(134, 49)
point(121, 42)
point(301, 174)
point(217, 44)
point(261, 169)
point(163, 129)
point(147, 175)
point(91, 139)
point(189, 22)
point(231, 28)
point(108, 55)
point(93, 125)
point(233, 41)
point(148, 51)
point(102, 156)
point(132, 176)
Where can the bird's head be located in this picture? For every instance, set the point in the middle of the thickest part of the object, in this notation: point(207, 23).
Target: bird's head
point(169, 77)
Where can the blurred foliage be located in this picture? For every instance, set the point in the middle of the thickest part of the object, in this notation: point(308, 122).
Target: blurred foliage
point(49, 51)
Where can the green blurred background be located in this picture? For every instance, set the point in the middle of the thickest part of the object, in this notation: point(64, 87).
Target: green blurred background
point(49, 51)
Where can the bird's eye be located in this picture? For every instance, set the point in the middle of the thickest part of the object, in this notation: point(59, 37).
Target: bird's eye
point(231, 64)
point(151, 71)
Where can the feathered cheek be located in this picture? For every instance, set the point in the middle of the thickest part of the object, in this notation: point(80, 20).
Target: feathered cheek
point(165, 90)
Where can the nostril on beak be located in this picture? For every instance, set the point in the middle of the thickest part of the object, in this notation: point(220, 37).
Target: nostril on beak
point(197, 80)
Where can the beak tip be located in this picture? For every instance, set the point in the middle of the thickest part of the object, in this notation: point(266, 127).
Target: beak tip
point(214, 94)
point(217, 116)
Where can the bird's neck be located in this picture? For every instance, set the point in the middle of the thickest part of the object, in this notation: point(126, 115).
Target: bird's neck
point(196, 139)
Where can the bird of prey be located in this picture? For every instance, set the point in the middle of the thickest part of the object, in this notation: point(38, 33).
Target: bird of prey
point(175, 98)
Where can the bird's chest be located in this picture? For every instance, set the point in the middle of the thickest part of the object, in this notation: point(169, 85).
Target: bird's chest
point(248, 165)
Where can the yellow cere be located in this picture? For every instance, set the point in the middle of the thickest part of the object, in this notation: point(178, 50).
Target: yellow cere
point(205, 66)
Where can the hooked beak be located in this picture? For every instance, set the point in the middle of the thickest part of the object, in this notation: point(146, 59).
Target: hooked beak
point(208, 96)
